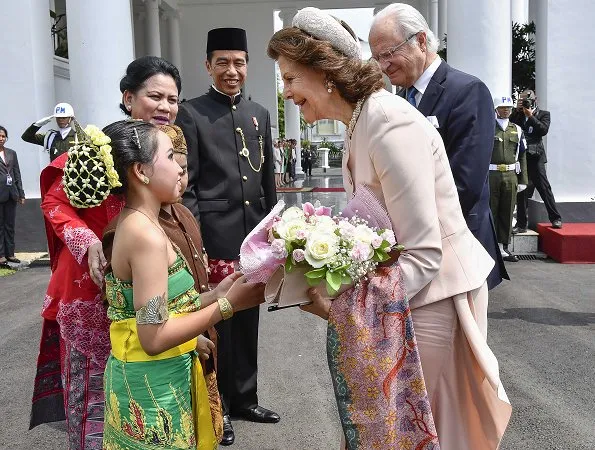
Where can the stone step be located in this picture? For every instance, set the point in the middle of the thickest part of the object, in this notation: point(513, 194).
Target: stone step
point(526, 243)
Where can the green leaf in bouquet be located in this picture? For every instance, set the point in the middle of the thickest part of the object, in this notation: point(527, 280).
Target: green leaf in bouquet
point(313, 282)
point(330, 289)
point(380, 256)
point(316, 273)
point(399, 248)
point(288, 265)
point(334, 279)
point(346, 279)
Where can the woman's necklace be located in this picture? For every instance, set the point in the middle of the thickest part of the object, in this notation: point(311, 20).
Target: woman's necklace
point(355, 116)
point(147, 216)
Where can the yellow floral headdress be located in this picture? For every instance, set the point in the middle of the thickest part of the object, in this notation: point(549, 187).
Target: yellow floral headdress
point(89, 173)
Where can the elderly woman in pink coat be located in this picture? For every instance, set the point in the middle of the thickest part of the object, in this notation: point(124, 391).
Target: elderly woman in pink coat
point(395, 151)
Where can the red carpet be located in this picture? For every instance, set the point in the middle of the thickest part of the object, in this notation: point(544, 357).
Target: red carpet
point(294, 189)
point(574, 243)
point(335, 189)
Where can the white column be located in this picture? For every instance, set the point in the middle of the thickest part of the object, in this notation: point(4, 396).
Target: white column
point(480, 41)
point(423, 6)
point(152, 33)
point(139, 33)
point(433, 23)
point(442, 21)
point(98, 59)
point(560, 66)
point(175, 52)
point(520, 11)
point(292, 112)
point(27, 82)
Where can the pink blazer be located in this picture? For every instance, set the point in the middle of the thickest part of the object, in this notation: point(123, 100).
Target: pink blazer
point(397, 152)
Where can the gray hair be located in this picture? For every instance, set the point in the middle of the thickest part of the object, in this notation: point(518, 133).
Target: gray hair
point(408, 21)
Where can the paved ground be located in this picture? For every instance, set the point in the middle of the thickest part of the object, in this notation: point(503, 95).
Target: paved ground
point(541, 327)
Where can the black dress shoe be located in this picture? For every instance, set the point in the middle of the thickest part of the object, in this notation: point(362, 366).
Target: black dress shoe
point(510, 258)
point(12, 259)
point(259, 414)
point(228, 435)
point(555, 224)
point(518, 230)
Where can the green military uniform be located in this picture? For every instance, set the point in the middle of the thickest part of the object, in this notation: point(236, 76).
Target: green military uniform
point(51, 141)
point(508, 169)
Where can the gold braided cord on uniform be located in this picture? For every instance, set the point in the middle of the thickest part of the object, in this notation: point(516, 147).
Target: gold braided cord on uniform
point(246, 153)
point(89, 173)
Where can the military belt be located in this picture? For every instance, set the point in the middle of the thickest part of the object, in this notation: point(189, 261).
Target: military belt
point(503, 167)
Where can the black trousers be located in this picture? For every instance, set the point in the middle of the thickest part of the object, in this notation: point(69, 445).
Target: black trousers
point(537, 180)
point(8, 212)
point(308, 167)
point(237, 360)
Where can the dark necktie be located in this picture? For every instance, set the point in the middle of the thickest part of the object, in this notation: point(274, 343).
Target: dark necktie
point(411, 96)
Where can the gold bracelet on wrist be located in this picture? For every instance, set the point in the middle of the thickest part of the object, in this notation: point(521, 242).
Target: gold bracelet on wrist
point(225, 308)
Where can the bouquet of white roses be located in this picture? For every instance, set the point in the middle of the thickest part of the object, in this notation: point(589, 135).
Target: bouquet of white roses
point(337, 250)
point(334, 251)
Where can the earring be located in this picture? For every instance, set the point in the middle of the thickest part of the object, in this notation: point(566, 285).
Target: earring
point(329, 87)
point(145, 180)
point(329, 90)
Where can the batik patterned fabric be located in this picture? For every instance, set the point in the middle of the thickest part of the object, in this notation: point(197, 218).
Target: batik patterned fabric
point(219, 269)
point(161, 401)
point(375, 367)
point(75, 337)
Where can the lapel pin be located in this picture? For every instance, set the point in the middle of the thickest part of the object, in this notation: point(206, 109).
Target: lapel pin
point(255, 123)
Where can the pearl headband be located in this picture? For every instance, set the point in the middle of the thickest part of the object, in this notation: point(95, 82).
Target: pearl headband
point(325, 27)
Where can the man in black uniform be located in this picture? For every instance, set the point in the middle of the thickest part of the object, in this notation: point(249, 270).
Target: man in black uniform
point(231, 188)
point(535, 123)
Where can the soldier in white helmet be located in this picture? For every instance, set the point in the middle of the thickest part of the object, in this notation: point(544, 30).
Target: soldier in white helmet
point(508, 173)
point(55, 142)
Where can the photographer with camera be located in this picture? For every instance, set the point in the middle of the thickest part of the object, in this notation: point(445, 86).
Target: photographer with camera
point(535, 124)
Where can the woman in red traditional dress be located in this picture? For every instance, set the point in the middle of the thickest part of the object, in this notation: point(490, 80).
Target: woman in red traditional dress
point(75, 333)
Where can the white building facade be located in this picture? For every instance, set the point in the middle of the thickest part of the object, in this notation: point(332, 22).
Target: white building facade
point(105, 35)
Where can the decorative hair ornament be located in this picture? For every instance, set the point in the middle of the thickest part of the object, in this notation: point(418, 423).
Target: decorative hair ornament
point(325, 27)
point(89, 173)
point(176, 135)
point(136, 139)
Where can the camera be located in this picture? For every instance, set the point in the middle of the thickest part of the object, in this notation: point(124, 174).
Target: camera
point(527, 103)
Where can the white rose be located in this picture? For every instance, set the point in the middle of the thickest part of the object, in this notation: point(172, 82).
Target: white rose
point(292, 213)
point(321, 247)
point(292, 230)
point(364, 233)
point(323, 223)
point(389, 236)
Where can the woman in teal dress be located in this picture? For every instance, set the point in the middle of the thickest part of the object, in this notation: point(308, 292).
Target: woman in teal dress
point(155, 394)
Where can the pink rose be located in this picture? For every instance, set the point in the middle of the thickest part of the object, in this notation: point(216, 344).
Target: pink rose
point(361, 252)
point(278, 248)
point(298, 255)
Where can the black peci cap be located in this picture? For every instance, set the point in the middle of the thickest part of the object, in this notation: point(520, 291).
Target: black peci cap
point(227, 39)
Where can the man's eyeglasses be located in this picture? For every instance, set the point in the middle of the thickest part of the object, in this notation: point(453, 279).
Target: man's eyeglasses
point(388, 54)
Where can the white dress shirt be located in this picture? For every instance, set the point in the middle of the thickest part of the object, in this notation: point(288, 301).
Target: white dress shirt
point(422, 82)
